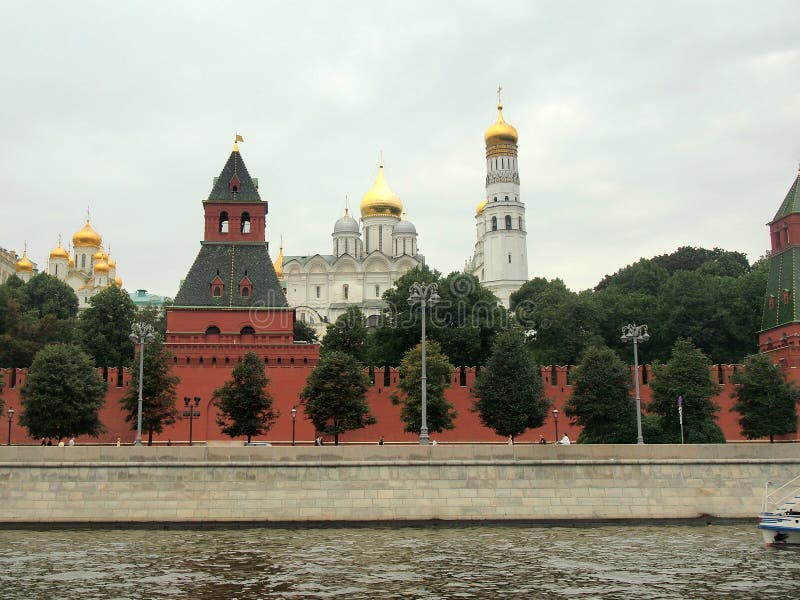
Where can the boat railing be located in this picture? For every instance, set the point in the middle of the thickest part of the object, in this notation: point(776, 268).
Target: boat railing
point(781, 495)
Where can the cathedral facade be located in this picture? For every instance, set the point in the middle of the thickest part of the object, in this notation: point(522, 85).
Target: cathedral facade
point(500, 258)
point(366, 259)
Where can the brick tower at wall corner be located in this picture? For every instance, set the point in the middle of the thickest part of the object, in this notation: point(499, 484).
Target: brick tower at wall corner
point(231, 302)
point(780, 323)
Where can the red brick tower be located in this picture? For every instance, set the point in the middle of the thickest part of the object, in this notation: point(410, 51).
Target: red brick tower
point(780, 323)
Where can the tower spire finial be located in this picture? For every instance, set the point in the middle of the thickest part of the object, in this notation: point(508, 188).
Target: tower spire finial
point(346, 205)
point(59, 240)
point(88, 216)
point(499, 97)
point(380, 158)
point(237, 138)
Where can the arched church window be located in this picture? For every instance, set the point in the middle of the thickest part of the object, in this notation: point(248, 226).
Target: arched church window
point(223, 222)
point(494, 223)
point(520, 223)
point(244, 226)
point(83, 261)
point(245, 287)
point(508, 220)
point(346, 291)
point(212, 330)
point(377, 291)
point(233, 184)
point(217, 291)
point(506, 198)
point(509, 258)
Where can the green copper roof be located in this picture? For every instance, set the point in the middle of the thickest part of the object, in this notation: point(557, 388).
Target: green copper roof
point(234, 169)
point(791, 203)
point(780, 302)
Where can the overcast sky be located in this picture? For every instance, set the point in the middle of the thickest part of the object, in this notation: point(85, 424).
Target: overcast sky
point(643, 126)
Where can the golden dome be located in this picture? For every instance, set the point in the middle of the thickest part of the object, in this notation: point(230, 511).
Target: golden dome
point(112, 264)
point(86, 236)
point(24, 265)
point(380, 200)
point(480, 207)
point(278, 264)
point(118, 282)
point(59, 253)
point(500, 131)
point(101, 267)
point(99, 255)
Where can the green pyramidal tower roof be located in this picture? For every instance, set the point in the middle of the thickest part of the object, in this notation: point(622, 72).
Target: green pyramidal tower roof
point(234, 176)
point(791, 203)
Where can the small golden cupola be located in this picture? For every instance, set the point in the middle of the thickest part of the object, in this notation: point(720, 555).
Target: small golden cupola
point(101, 266)
point(118, 282)
point(278, 264)
point(380, 200)
point(99, 255)
point(500, 131)
point(24, 265)
point(87, 236)
point(481, 206)
point(58, 252)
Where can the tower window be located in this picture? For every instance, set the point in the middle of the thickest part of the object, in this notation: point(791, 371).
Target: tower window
point(346, 249)
point(366, 236)
point(506, 198)
point(223, 222)
point(377, 291)
point(212, 330)
point(83, 261)
point(318, 291)
point(771, 301)
point(247, 330)
point(346, 291)
point(245, 287)
point(508, 221)
point(244, 226)
point(217, 287)
point(494, 223)
point(380, 238)
point(495, 199)
point(520, 223)
point(786, 296)
point(233, 185)
point(509, 258)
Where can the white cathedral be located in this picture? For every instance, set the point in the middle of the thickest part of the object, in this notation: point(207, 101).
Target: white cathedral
point(368, 258)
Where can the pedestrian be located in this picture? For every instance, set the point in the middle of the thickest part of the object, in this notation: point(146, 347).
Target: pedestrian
point(60, 443)
point(565, 440)
point(44, 442)
point(541, 439)
point(434, 443)
point(119, 442)
point(49, 442)
point(72, 441)
point(380, 441)
point(169, 442)
point(510, 441)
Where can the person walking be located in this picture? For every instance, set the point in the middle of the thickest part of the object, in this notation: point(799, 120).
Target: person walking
point(380, 441)
point(565, 440)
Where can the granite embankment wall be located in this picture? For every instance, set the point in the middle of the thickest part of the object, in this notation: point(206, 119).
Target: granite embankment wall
point(385, 483)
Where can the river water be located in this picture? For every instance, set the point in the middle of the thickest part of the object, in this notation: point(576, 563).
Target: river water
point(664, 561)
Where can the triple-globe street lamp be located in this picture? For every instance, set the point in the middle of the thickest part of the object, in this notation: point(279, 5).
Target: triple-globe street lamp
point(294, 419)
point(425, 295)
point(191, 412)
point(636, 334)
point(141, 333)
point(555, 421)
point(10, 417)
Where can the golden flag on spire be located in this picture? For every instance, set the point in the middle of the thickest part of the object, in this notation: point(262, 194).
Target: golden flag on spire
point(239, 138)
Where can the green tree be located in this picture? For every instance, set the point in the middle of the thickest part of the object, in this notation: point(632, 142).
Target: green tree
point(509, 391)
point(158, 392)
point(686, 374)
point(601, 402)
point(335, 395)
point(106, 325)
point(304, 333)
point(62, 395)
point(766, 401)
point(244, 404)
point(48, 295)
point(441, 413)
point(348, 334)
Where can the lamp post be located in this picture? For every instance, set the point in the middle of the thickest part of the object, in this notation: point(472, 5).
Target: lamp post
point(424, 295)
point(294, 417)
point(636, 334)
point(191, 412)
point(555, 420)
point(140, 334)
point(10, 417)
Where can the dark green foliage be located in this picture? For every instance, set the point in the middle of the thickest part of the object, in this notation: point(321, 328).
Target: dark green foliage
point(509, 391)
point(348, 335)
point(601, 401)
point(244, 404)
point(686, 374)
point(106, 325)
point(441, 413)
point(158, 392)
point(62, 395)
point(155, 316)
point(465, 321)
point(303, 332)
point(766, 401)
point(335, 395)
point(47, 295)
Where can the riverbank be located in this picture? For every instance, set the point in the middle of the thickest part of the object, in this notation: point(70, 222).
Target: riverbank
point(491, 483)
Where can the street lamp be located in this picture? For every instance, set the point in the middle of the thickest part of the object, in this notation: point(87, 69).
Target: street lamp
point(294, 417)
point(191, 413)
point(636, 334)
point(140, 334)
point(555, 420)
point(424, 295)
point(10, 416)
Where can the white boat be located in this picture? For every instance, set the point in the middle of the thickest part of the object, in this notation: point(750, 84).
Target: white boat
point(779, 520)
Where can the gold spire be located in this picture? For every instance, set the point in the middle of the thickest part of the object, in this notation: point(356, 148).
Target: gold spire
point(380, 200)
point(236, 139)
point(24, 265)
point(278, 264)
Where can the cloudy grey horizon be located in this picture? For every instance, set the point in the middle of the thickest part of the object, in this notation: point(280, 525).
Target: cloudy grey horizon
point(643, 126)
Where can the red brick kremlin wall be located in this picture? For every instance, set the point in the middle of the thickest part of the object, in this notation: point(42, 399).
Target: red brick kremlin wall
point(286, 381)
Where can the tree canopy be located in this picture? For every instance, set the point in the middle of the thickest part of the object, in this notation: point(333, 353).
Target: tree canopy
point(601, 402)
point(765, 399)
point(62, 395)
point(509, 391)
point(106, 325)
point(348, 334)
point(686, 374)
point(334, 396)
point(158, 392)
point(440, 413)
point(244, 404)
